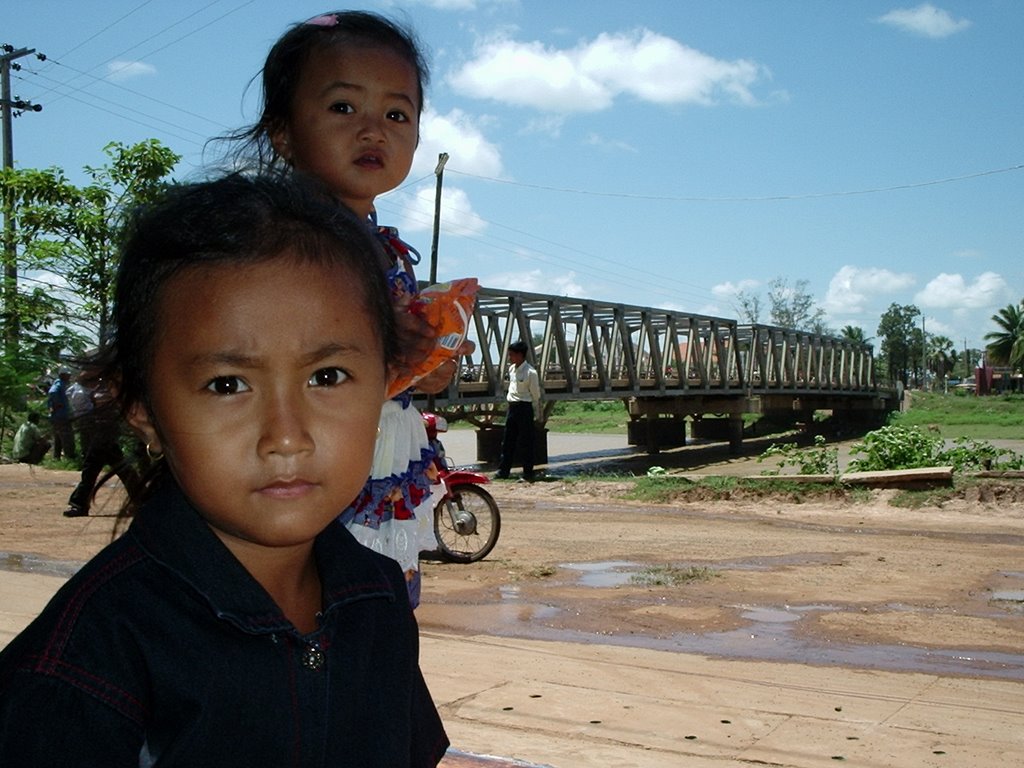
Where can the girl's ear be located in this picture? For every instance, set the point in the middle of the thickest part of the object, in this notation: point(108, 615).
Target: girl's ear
point(279, 140)
point(142, 422)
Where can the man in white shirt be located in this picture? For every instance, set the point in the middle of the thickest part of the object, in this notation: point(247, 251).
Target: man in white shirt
point(524, 408)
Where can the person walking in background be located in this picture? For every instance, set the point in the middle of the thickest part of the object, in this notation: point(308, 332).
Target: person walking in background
point(524, 408)
point(30, 445)
point(99, 426)
point(61, 417)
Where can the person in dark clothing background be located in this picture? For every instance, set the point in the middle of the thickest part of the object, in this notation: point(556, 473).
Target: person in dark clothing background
point(523, 409)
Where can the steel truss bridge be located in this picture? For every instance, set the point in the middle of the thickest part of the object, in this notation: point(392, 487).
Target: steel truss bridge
point(665, 365)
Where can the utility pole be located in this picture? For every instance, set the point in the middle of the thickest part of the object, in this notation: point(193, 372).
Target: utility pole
point(924, 355)
point(8, 105)
point(439, 172)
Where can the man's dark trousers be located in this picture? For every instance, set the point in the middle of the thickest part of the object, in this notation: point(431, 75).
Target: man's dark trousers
point(518, 439)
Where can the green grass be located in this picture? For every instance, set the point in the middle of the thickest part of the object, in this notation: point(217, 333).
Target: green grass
point(601, 417)
point(666, 489)
point(670, 576)
point(955, 415)
point(958, 415)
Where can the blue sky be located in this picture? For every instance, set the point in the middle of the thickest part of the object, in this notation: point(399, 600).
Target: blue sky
point(665, 153)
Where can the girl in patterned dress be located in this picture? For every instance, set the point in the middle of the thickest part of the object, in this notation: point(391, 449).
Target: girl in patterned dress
point(342, 97)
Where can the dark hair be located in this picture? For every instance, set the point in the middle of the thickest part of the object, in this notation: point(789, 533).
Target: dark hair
point(281, 71)
point(518, 346)
point(33, 417)
point(234, 219)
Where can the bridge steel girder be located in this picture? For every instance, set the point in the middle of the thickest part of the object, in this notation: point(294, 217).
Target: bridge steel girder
point(657, 361)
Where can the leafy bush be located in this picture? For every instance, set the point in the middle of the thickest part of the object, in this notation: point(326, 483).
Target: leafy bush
point(896, 447)
point(972, 455)
point(819, 460)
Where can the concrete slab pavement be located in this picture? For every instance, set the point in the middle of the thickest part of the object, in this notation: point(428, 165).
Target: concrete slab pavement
point(585, 705)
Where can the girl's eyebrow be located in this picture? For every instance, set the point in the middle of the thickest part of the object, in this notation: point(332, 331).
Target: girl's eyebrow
point(332, 349)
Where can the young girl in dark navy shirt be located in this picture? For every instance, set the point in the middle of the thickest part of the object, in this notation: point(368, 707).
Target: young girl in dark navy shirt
point(237, 622)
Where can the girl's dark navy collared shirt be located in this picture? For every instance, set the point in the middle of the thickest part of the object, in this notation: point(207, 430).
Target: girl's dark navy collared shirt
point(164, 651)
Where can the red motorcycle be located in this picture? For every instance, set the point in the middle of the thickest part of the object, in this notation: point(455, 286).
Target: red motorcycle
point(466, 520)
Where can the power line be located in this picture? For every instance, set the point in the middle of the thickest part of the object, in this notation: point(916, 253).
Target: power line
point(748, 199)
point(126, 89)
point(109, 26)
point(161, 32)
point(119, 109)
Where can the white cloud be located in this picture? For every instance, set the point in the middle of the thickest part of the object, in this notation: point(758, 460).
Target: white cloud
point(728, 290)
point(953, 292)
point(610, 145)
point(458, 218)
point(925, 20)
point(548, 125)
point(968, 253)
point(936, 327)
point(457, 134)
point(851, 288)
point(589, 77)
point(119, 71)
point(537, 281)
point(469, 151)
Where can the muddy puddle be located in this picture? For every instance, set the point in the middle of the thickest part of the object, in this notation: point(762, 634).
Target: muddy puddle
point(762, 632)
point(28, 563)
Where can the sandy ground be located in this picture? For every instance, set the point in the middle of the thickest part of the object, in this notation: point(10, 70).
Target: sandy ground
point(806, 591)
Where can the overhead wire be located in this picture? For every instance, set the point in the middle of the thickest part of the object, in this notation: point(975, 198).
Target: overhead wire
point(156, 35)
point(747, 199)
point(107, 28)
point(118, 110)
point(146, 96)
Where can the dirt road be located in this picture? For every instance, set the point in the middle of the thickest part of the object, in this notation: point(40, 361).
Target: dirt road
point(829, 585)
point(859, 583)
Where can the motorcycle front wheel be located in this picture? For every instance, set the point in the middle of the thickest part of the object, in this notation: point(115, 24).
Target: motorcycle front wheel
point(467, 524)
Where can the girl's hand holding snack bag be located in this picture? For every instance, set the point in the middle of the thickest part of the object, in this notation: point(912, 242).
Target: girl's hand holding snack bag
point(444, 308)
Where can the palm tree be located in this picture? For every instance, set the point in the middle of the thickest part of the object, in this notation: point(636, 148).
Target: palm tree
point(1006, 346)
point(855, 334)
point(943, 356)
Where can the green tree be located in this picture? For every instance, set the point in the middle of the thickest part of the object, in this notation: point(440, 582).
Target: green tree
point(900, 341)
point(73, 231)
point(970, 359)
point(1006, 345)
point(942, 357)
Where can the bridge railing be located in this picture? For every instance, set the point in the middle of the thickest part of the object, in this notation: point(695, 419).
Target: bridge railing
point(591, 349)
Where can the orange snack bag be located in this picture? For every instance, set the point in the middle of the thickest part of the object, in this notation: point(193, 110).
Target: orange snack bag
point(447, 308)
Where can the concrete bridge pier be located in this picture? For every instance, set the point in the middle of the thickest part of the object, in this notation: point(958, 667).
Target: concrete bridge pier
point(735, 433)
